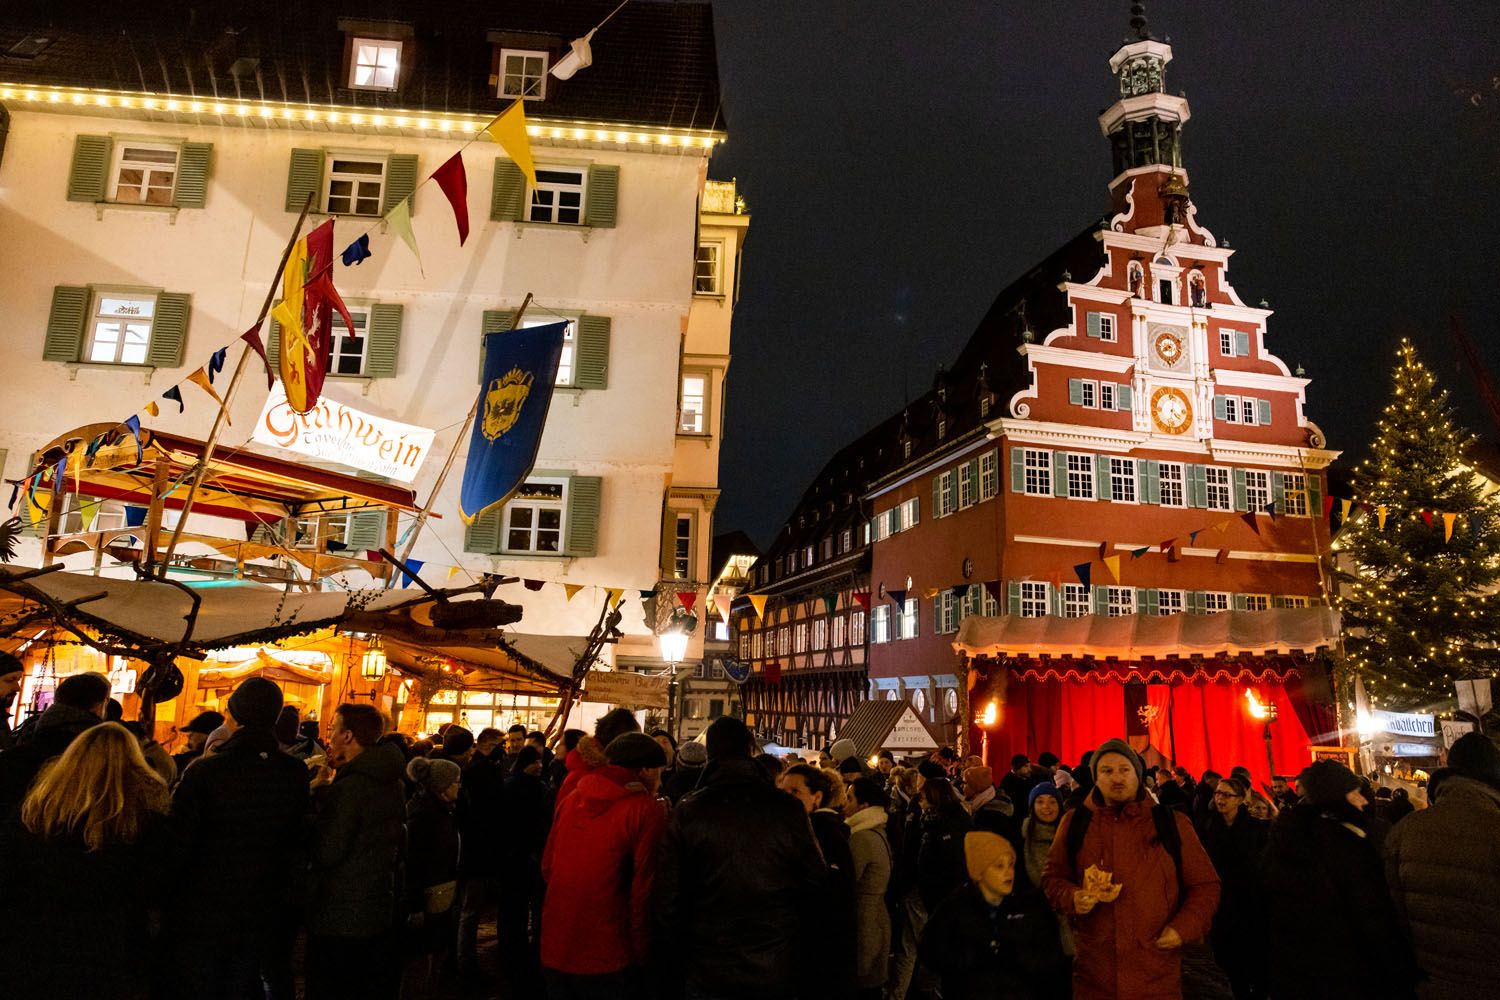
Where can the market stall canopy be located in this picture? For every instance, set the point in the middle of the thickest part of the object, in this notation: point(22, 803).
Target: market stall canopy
point(1133, 637)
point(886, 725)
point(516, 663)
point(265, 663)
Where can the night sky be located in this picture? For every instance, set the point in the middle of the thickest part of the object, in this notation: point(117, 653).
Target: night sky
point(903, 162)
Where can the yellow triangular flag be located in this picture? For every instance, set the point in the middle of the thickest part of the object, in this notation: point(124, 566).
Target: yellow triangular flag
point(1380, 513)
point(1112, 563)
point(509, 130)
point(572, 589)
point(1344, 507)
point(89, 512)
point(152, 410)
point(614, 595)
point(452, 572)
point(399, 220)
point(200, 379)
point(931, 592)
point(1222, 526)
point(758, 602)
point(1448, 520)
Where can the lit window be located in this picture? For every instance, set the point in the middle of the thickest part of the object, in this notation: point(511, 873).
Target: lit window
point(1081, 477)
point(840, 632)
point(784, 640)
point(1295, 500)
point(1169, 602)
point(1219, 494)
point(1291, 601)
point(349, 352)
point(907, 622)
point(989, 479)
point(820, 634)
point(941, 496)
point(1121, 601)
point(694, 398)
point(1213, 603)
point(1257, 490)
point(1122, 480)
point(1257, 602)
point(827, 548)
point(1075, 600)
point(846, 540)
point(909, 514)
point(965, 486)
point(355, 185)
point(856, 628)
point(1171, 484)
point(376, 65)
point(757, 646)
point(120, 330)
point(1038, 480)
point(682, 548)
point(557, 197)
point(799, 638)
point(1033, 599)
point(984, 407)
point(566, 369)
point(721, 634)
point(706, 272)
point(523, 73)
point(880, 623)
point(534, 517)
point(144, 174)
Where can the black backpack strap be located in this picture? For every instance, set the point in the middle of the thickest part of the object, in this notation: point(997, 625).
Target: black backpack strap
point(1170, 838)
point(1078, 828)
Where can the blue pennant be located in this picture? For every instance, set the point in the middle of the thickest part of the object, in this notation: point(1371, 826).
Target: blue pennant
point(357, 251)
point(216, 363)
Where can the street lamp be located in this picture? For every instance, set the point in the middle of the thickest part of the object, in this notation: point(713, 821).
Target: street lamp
point(986, 722)
point(1264, 712)
point(674, 643)
point(373, 665)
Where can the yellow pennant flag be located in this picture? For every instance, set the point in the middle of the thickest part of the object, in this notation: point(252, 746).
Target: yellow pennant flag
point(572, 589)
point(1448, 520)
point(614, 595)
point(89, 513)
point(152, 410)
point(758, 602)
point(1112, 563)
point(932, 592)
point(1345, 506)
point(1223, 526)
point(200, 379)
point(1380, 513)
point(509, 130)
point(452, 572)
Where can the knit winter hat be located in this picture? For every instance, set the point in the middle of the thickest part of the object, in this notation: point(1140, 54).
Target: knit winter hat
point(842, 750)
point(1326, 782)
point(256, 703)
point(983, 849)
point(692, 754)
point(204, 722)
point(432, 774)
point(1122, 748)
point(1474, 755)
point(931, 770)
point(456, 741)
point(1045, 788)
point(635, 750)
point(10, 665)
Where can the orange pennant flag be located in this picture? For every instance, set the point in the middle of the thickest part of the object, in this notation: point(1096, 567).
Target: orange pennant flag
point(1223, 526)
point(1448, 520)
point(1380, 513)
point(572, 589)
point(1112, 563)
point(758, 602)
point(152, 410)
point(721, 601)
point(200, 379)
point(614, 595)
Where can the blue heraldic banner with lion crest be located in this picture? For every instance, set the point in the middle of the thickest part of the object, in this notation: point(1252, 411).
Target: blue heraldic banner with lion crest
point(520, 368)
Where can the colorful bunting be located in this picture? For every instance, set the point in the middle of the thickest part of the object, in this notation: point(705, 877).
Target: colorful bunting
point(830, 603)
point(1270, 509)
point(415, 567)
point(992, 587)
point(687, 598)
point(958, 591)
point(1085, 573)
point(1344, 508)
point(252, 337)
point(614, 595)
point(722, 603)
point(453, 571)
point(509, 130)
point(533, 585)
point(357, 251)
point(454, 184)
point(1427, 518)
point(758, 602)
point(1193, 536)
point(1448, 520)
point(399, 219)
point(216, 362)
point(133, 424)
point(306, 317)
point(1223, 525)
point(572, 589)
point(1380, 513)
point(899, 596)
point(646, 595)
point(175, 395)
point(200, 379)
point(1249, 518)
point(1328, 505)
point(1137, 553)
point(152, 410)
point(1222, 556)
point(1112, 563)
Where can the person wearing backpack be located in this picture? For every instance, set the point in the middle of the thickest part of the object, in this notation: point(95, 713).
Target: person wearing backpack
point(1134, 881)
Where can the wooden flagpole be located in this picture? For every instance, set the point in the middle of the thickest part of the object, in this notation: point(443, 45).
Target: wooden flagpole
point(234, 381)
point(458, 442)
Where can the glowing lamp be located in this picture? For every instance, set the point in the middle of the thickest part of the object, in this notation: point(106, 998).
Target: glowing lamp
point(990, 716)
point(1257, 709)
point(373, 665)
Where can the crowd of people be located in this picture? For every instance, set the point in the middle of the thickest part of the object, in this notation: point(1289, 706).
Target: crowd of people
point(625, 866)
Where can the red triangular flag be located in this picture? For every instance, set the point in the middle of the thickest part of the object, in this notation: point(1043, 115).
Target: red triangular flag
point(455, 184)
point(992, 587)
point(252, 337)
point(1249, 518)
point(688, 598)
point(862, 598)
point(1427, 517)
point(1327, 507)
point(533, 584)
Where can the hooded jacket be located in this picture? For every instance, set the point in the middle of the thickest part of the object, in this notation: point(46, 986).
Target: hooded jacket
point(600, 867)
point(360, 827)
point(1005, 952)
point(870, 853)
point(1443, 865)
point(53, 731)
point(584, 759)
point(1116, 942)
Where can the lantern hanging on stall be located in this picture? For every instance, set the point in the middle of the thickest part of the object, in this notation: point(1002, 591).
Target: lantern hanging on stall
point(372, 666)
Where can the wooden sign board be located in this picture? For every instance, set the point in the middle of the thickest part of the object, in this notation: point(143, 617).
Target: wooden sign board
point(626, 689)
point(909, 733)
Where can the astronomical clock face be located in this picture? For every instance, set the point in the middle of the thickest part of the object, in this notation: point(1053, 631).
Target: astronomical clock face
point(1170, 410)
point(1168, 346)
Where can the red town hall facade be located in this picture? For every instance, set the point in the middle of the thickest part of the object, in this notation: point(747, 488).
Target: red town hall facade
point(1117, 452)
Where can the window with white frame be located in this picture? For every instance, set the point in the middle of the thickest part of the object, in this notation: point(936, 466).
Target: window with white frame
point(946, 612)
point(1080, 476)
point(144, 174)
point(1231, 409)
point(1257, 602)
point(820, 633)
point(1122, 480)
point(534, 516)
point(706, 280)
point(978, 600)
point(1033, 599)
point(1075, 600)
point(840, 631)
point(799, 638)
point(566, 369)
point(355, 185)
point(558, 196)
point(784, 640)
point(376, 64)
point(1226, 343)
point(1219, 493)
point(880, 623)
point(1257, 490)
point(1294, 601)
point(1038, 481)
point(682, 548)
point(1106, 327)
point(1090, 393)
point(846, 540)
point(1106, 395)
point(910, 510)
point(807, 556)
point(1171, 484)
point(1248, 411)
point(989, 480)
point(826, 545)
point(721, 633)
point(856, 628)
point(965, 486)
point(940, 494)
point(942, 428)
point(348, 357)
point(984, 407)
point(1121, 601)
point(758, 646)
point(1214, 602)
point(1169, 602)
point(120, 328)
point(523, 73)
point(694, 403)
point(906, 626)
point(1295, 496)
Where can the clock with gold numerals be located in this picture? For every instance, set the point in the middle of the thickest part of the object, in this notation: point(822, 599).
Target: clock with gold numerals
point(1168, 347)
point(1171, 410)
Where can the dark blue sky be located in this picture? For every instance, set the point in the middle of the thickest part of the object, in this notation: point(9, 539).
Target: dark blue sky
point(903, 162)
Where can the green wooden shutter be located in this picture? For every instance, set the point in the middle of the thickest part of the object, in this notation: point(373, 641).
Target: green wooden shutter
point(400, 179)
point(1101, 478)
point(1314, 494)
point(1239, 602)
point(1059, 474)
point(1263, 411)
point(1013, 598)
point(603, 196)
point(1242, 343)
point(1093, 324)
point(1101, 601)
point(951, 483)
point(1075, 391)
point(1017, 469)
point(493, 321)
point(1278, 492)
point(70, 305)
point(483, 533)
point(366, 531)
point(305, 177)
point(192, 174)
point(507, 192)
point(384, 344)
point(1221, 408)
point(1277, 601)
point(273, 345)
point(89, 173)
point(1197, 479)
point(1150, 481)
point(169, 330)
point(591, 352)
point(584, 494)
point(1148, 599)
point(937, 497)
point(1194, 602)
point(1241, 501)
point(1124, 397)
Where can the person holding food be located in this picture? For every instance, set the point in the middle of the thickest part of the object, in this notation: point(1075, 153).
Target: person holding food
point(1134, 881)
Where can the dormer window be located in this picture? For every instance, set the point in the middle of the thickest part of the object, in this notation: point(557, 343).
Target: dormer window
point(376, 64)
point(523, 74)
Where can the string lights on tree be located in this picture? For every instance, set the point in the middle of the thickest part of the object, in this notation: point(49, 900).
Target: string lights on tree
point(1416, 605)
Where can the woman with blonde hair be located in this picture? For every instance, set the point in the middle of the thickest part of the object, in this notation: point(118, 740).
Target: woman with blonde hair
point(84, 862)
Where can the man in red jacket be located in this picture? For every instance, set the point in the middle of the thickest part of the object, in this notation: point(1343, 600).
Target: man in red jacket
point(599, 865)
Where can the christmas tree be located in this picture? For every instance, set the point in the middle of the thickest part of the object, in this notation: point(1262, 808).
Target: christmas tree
point(1420, 561)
